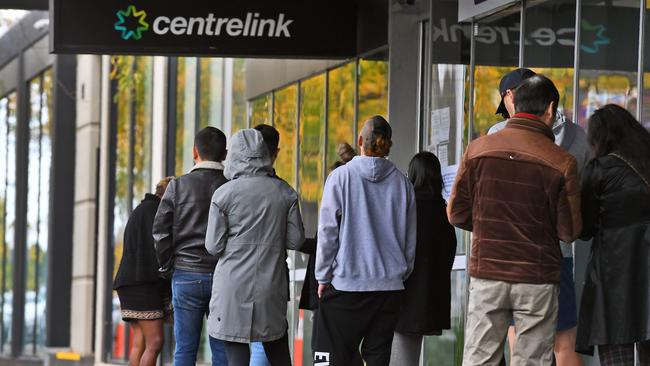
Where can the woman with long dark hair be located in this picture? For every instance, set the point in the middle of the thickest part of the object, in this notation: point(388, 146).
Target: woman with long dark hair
point(615, 309)
point(427, 299)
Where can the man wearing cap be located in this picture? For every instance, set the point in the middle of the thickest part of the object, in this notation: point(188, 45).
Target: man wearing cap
point(365, 252)
point(572, 138)
point(519, 194)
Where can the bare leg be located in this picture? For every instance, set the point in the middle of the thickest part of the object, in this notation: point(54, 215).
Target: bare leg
point(137, 347)
point(511, 342)
point(153, 340)
point(565, 352)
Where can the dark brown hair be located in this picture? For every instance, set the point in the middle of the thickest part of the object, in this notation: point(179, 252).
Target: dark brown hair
point(613, 129)
point(161, 187)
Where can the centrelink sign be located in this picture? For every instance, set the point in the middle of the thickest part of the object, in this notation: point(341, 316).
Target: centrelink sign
point(263, 28)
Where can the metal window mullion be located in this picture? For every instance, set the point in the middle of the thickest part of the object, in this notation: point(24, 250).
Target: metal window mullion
point(172, 100)
point(297, 139)
point(576, 61)
point(641, 65)
point(38, 208)
point(522, 33)
point(20, 238)
point(355, 129)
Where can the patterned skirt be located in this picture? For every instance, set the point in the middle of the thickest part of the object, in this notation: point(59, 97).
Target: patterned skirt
point(150, 301)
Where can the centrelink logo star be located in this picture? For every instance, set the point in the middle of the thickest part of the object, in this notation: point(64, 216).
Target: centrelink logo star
point(599, 39)
point(131, 15)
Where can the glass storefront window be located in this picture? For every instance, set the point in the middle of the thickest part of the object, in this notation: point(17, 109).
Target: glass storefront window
point(549, 27)
point(239, 112)
point(38, 198)
point(133, 132)
point(261, 110)
point(186, 94)
point(211, 92)
point(8, 211)
point(285, 115)
point(373, 89)
point(311, 137)
point(608, 58)
point(199, 103)
point(340, 114)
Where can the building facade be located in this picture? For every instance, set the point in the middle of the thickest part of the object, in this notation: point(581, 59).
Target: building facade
point(83, 138)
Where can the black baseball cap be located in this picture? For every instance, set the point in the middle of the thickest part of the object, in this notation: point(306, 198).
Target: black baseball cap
point(511, 81)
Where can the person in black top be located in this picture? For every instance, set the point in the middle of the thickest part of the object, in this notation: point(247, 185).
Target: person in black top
point(144, 294)
point(427, 299)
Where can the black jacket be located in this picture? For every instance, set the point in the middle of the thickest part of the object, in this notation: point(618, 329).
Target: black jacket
point(182, 220)
point(427, 299)
point(309, 294)
point(139, 264)
point(615, 306)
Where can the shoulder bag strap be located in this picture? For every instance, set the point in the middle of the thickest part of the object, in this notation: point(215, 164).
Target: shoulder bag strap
point(631, 167)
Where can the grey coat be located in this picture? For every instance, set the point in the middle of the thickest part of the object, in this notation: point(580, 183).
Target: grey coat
point(253, 220)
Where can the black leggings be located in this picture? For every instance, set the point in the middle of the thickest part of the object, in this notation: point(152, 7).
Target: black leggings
point(277, 352)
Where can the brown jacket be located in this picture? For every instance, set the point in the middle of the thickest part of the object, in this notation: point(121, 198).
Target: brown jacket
point(519, 194)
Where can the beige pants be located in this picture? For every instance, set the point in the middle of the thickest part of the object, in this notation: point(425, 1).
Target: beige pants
point(492, 304)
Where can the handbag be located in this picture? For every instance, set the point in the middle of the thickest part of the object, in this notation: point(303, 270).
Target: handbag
point(631, 167)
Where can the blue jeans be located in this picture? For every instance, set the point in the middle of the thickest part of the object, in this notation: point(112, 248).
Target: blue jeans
point(258, 357)
point(191, 299)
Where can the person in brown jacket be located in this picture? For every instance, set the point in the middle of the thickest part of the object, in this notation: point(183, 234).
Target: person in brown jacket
point(519, 194)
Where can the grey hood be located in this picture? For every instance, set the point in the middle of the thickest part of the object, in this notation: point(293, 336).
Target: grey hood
point(371, 168)
point(248, 156)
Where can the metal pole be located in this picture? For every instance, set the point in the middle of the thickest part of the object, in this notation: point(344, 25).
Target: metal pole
point(472, 69)
point(522, 33)
point(641, 65)
point(576, 62)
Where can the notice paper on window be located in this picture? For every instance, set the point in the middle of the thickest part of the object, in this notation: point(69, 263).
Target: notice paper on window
point(448, 178)
point(440, 124)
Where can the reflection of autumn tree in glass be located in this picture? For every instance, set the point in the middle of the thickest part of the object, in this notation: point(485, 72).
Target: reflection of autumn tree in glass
point(143, 129)
point(239, 95)
point(312, 141)
point(40, 153)
point(185, 113)
point(133, 130)
point(373, 89)
point(211, 93)
point(261, 110)
point(487, 97)
point(285, 115)
point(340, 123)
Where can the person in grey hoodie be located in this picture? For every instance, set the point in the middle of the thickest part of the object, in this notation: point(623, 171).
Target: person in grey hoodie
point(365, 252)
point(254, 219)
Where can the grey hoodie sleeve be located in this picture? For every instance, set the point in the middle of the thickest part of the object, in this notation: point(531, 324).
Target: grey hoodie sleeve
point(328, 232)
point(217, 233)
point(411, 231)
point(295, 229)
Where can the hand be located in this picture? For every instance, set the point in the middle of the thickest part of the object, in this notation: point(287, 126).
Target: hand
point(321, 289)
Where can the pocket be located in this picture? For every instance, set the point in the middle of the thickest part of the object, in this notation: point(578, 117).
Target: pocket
point(187, 282)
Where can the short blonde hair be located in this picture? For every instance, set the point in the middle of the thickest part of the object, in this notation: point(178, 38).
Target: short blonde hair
point(162, 185)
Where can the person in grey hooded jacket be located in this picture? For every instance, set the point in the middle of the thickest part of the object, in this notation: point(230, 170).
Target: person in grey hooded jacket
point(253, 219)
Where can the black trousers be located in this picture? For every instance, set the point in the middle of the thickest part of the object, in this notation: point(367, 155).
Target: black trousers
point(347, 320)
point(277, 352)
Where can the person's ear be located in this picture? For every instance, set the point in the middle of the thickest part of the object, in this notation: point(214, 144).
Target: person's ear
point(549, 115)
point(195, 155)
point(360, 141)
